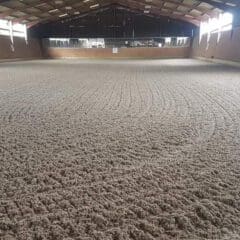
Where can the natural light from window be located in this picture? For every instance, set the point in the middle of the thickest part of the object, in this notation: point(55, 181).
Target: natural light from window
point(7, 28)
point(216, 25)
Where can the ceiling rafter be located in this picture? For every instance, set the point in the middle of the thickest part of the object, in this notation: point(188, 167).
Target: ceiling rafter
point(71, 13)
point(156, 8)
point(62, 9)
point(156, 13)
point(34, 12)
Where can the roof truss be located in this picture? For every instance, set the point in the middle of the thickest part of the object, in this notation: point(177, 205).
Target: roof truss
point(32, 12)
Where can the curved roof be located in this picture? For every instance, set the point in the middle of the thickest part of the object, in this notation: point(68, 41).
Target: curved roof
point(32, 12)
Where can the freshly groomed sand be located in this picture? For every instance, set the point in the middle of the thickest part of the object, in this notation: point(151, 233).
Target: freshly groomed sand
point(119, 150)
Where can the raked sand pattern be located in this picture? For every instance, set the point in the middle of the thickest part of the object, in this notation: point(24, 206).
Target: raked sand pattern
point(119, 150)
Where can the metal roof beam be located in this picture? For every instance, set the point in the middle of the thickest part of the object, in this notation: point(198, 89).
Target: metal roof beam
point(221, 6)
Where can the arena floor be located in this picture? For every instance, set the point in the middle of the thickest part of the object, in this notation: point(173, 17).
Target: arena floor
point(118, 150)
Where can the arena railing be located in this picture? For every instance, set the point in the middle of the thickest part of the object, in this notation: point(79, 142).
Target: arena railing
point(156, 42)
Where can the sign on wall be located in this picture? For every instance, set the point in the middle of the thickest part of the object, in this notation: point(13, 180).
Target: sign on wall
point(115, 50)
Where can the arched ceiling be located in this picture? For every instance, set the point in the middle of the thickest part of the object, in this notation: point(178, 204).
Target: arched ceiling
point(32, 12)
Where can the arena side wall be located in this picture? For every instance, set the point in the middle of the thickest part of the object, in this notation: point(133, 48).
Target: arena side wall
point(227, 48)
point(21, 50)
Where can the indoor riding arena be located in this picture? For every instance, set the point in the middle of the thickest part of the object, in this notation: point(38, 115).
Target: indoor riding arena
point(119, 120)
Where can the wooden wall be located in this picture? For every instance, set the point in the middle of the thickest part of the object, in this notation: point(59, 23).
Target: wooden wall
point(228, 47)
point(21, 49)
point(123, 53)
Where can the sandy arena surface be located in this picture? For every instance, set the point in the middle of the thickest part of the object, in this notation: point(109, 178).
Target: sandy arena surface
point(119, 150)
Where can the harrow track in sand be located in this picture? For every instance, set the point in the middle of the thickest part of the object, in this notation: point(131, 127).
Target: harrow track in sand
point(119, 150)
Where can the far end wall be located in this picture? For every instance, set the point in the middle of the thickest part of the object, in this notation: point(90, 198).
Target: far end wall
point(22, 50)
point(180, 52)
point(228, 47)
